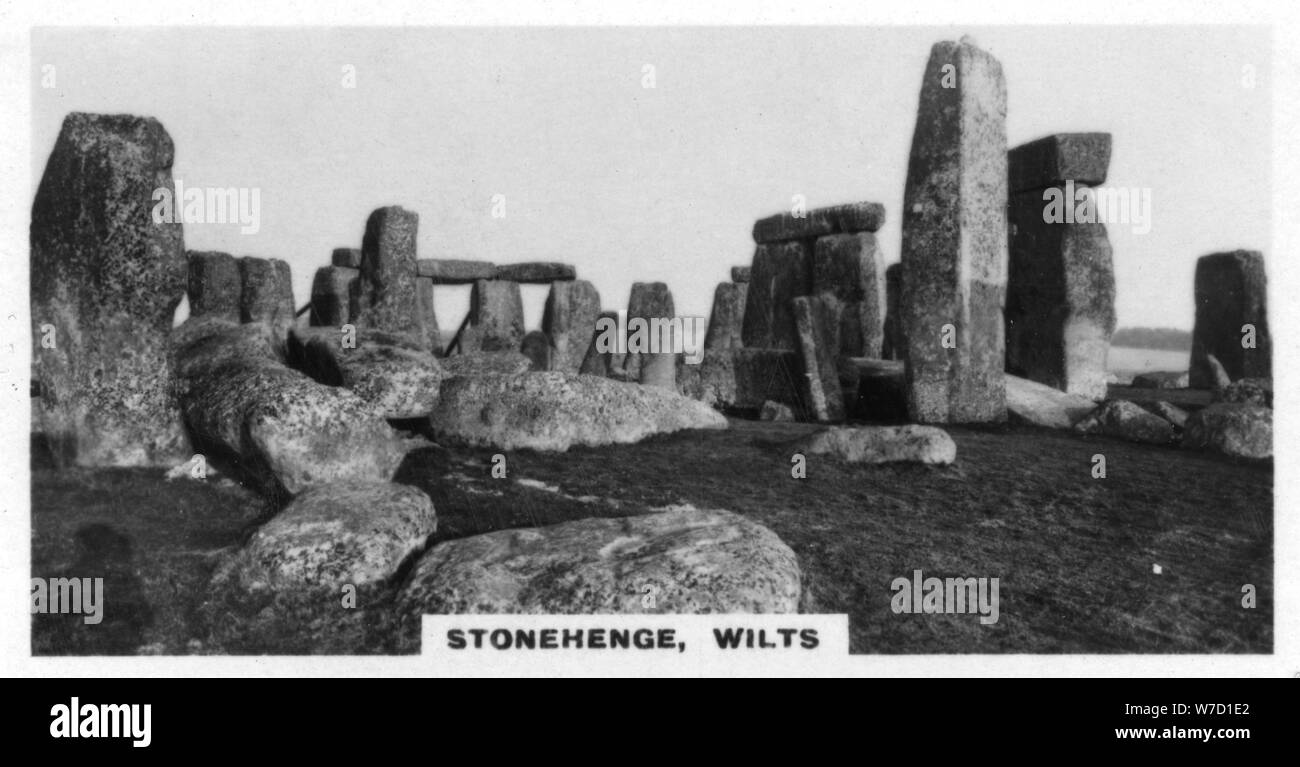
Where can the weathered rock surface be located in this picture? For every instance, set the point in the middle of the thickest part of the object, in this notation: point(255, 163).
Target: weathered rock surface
point(781, 272)
point(884, 444)
point(1083, 158)
point(1127, 420)
point(536, 346)
point(818, 345)
point(392, 374)
point(1231, 292)
point(569, 320)
point(446, 271)
point(425, 323)
point(555, 411)
point(1171, 413)
point(536, 272)
point(726, 320)
point(385, 287)
point(602, 359)
point(1250, 391)
point(1160, 379)
point(1234, 429)
point(849, 218)
point(848, 266)
point(496, 315)
point(955, 240)
point(892, 345)
point(266, 293)
point(504, 364)
point(348, 258)
point(214, 285)
point(759, 375)
point(693, 561)
point(775, 411)
point(740, 274)
point(331, 295)
point(106, 280)
point(1042, 405)
point(651, 301)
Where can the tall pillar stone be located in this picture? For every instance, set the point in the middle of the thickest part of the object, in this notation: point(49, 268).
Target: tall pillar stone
point(650, 301)
point(1060, 307)
point(569, 320)
point(496, 316)
point(781, 272)
point(602, 361)
point(105, 283)
point(213, 286)
point(814, 316)
point(1231, 293)
point(266, 293)
point(331, 295)
point(848, 267)
point(386, 289)
point(955, 240)
point(726, 320)
point(426, 319)
point(892, 346)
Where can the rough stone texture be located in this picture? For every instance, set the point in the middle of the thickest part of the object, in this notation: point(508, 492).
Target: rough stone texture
point(781, 273)
point(351, 532)
point(1161, 379)
point(445, 271)
point(385, 288)
point(884, 444)
point(507, 363)
point(1083, 158)
point(848, 218)
point(496, 315)
point(1251, 391)
point(536, 272)
point(816, 343)
point(266, 293)
point(1217, 377)
point(569, 320)
point(1231, 291)
point(1171, 413)
point(848, 267)
point(399, 381)
point(555, 411)
point(775, 411)
point(214, 285)
point(876, 389)
point(1127, 420)
point(597, 362)
point(1060, 306)
point(348, 258)
point(858, 217)
point(536, 346)
point(740, 274)
point(331, 295)
point(892, 346)
point(955, 241)
point(284, 430)
point(650, 301)
point(426, 318)
point(1233, 429)
point(108, 280)
point(692, 560)
point(759, 375)
point(713, 381)
point(1041, 405)
point(726, 319)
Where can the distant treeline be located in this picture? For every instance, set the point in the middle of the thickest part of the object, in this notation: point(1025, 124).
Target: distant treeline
point(1168, 339)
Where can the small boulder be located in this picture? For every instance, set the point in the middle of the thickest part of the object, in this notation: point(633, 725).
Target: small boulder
point(1127, 420)
point(775, 411)
point(1171, 413)
point(1234, 429)
point(1250, 391)
point(884, 444)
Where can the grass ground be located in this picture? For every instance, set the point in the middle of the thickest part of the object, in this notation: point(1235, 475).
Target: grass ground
point(1074, 554)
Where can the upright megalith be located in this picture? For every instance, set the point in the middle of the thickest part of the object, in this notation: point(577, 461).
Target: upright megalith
point(892, 346)
point(106, 278)
point(569, 320)
point(781, 272)
point(650, 356)
point(603, 359)
point(425, 322)
point(727, 318)
point(955, 240)
point(349, 258)
point(214, 286)
point(386, 289)
point(1231, 317)
point(848, 267)
point(536, 346)
point(1060, 306)
point(266, 292)
point(496, 317)
point(331, 292)
point(814, 319)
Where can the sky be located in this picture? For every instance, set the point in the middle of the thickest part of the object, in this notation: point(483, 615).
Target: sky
point(635, 183)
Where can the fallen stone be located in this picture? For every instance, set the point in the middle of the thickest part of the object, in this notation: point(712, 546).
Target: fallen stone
point(214, 285)
point(331, 296)
point(348, 258)
point(1250, 391)
point(1233, 429)
point(569, 320)
point(848, 267)
point(1082, 158)
point(397, 380)
point(491, 364)
point(536, 273)
point(692, 561)
point(1175, 415)
point(781, 273)
point(884, 444)
point(1160, 379)
point(445, 271)
point(1231, 293)
point(107, 281)
point(1127, 420)
point(556, 411)
point(821, 376)
point(1041, 405)
point(740, 274)
point(536, 346)
point(955, 241)
point(892, 346)
point(266, 293)
point(775, 411)
point(496, 313)
point(385, 286)
point(726, 320)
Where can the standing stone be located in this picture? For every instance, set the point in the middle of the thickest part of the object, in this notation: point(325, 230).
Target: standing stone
point(331, 292)
point(892, 346)
point(727, 318)
point(536, 272)
point(848, 267)
point(650, 301)
point(781, 272)
point(213, 287)
point(346, 257)
point(1231, 292)
point(569, 320)
point(816, 341)
point(1060, 307)
point(740, 274)
point(496, 314)
point(266, 292)
point(602, 362)
point(536, 346)
point(426, 319)
point(106, 280)
point(386, 291)
point(955, 240)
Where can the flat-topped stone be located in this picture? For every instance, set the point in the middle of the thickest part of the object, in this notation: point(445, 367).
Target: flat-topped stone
point(810, 224)
point(536, 272)
point(1053, 160)
point(448, 271)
